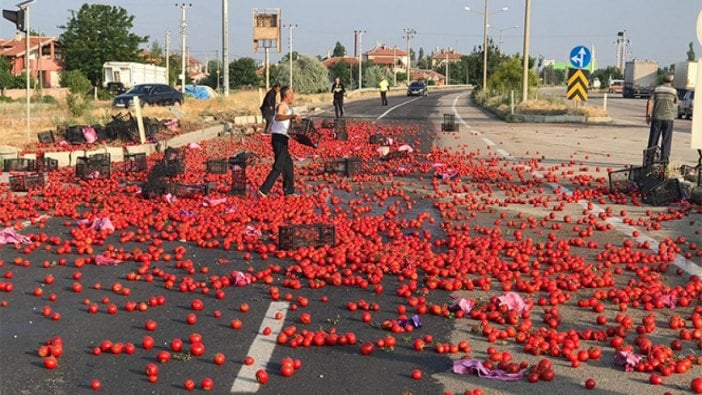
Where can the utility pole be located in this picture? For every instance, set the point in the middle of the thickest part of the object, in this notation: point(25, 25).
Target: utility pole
point(360, 57)
point(267, 59)
point(290, 45)
point(225, 45)
point(168, 56)
point(409, 33)
point(447, 69)
point(25, 6)
point(183, 48)
point(525, 71)
point(217, 57)
point(394, 64)
point(485, 45)
point(622, 50)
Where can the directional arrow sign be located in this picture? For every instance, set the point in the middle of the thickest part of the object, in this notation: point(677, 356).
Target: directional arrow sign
point(577, 84)
point(580, 57)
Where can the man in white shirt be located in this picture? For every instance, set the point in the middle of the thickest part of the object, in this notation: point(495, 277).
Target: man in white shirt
point(282, 164)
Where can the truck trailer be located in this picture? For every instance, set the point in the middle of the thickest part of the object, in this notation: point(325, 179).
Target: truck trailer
point(639, 78)
point(685, 77)
point(121, 76)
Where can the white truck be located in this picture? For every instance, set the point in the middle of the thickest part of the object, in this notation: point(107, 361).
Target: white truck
point(639, 78)
point(685, 76)
point(121, 76)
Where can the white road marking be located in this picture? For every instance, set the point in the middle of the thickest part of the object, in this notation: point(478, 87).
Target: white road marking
point(396, 107)
point(464, 123)
point(261, 349)
point(488, 141)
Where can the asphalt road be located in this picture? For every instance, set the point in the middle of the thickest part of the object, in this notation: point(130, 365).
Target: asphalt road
point(340, 369)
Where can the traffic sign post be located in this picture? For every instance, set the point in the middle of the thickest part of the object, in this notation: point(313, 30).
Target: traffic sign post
point(580, 57)
point(578, 83)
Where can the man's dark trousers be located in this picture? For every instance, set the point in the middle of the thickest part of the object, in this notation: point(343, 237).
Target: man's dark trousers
point(664, 128)
point(282, 164)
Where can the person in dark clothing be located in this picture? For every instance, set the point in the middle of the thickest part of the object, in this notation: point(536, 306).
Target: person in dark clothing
point(280, 127)
point(660, 112)
point(268, 106)
point(339, 90)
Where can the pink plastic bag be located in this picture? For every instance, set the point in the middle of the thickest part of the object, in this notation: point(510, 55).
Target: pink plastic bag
point(90, 135)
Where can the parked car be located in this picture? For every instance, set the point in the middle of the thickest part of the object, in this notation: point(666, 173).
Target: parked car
point(149, 95)
point(417, 88)
point(616, 86)
point(686, 104)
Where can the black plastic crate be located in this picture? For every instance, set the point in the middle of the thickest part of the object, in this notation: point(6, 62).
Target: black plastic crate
point(305, 133)
point(625, 180)
point(449, 127)
point(244, 158)
point(188, 191)
point(377, 139)
point(26, 182)
point(46, 165)
point(238, 178)
point(340, 132)
point(217, 166)
point(292, 237)
point(173, 161)
point(328, 124)
point(345, 166)
point(97, 166)
point(665, 192)
point(450, 119)
point(46, 137)
point(18, 164)
point(134, 163)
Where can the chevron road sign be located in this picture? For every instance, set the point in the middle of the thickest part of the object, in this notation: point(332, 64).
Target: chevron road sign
point(578, 82)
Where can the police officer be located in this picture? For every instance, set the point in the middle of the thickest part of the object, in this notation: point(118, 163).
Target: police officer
point(384, 86)
point(339, 90)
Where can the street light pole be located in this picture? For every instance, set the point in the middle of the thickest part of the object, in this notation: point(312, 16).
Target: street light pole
point(290, 45)
point(409, 33)
point(485, 43)
point(183, 32)
point(25, 6)
point(360, 57)
point(525, 71)
point(501, 30)
point(485, 37)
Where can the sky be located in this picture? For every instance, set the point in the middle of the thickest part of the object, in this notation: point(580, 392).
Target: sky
point(657, 29)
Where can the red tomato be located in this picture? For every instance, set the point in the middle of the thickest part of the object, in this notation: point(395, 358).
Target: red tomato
point(219, 358)
point(590, 384)
point(696, 385)
point(96, 385)
point(655, 379)
point(287, 370)
point(50, 363)
point(262, 376)
point(189, 385)
point(207, 384)
point(367, 348)
point(417, 374)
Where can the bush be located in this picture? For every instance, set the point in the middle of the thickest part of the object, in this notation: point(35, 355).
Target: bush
point(309, 75)
point(374, 74)
point(76, 104)
point(5, 99)
point(76, 82)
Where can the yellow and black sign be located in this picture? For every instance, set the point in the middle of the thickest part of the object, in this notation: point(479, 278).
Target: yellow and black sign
point(578, 82)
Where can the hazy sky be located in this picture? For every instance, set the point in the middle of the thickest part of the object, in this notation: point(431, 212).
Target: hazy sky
point(658, 29)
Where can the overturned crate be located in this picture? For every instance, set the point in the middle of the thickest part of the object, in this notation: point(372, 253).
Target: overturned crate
point(377, 139)
point(97, 166)
point(47, 137)
point(134, 163)
point(292, 237)
point(305, 133)
point(394, 155)
point(664, 193)
point(18, 164)
point(340, 132)
point(449, 124)
point(189, 191)
point(45, 165)
point(173, 162)
point(345, 166)
point(26, 182)
point(636, 178)
point(216, 166)
point(238, 166)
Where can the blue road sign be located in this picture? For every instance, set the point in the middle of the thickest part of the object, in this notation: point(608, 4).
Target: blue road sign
point(580, 57)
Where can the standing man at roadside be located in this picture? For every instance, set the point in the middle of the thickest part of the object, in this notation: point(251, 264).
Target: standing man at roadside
point(279, 139)
point(339, 90)
point(660, 112)
point(384, 86)
point(268, 106)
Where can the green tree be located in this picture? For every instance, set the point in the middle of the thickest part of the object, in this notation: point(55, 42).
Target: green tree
point(550, 76)
point(157, 53)
point(96, 34)
point(508, 76)
point(78, 85)
point(691, 51)
point(213, 67)
point(6, 77)
point(373, 74)
point(242, 72)
point(339, 50)
point(343, 71)
point(309, 74)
